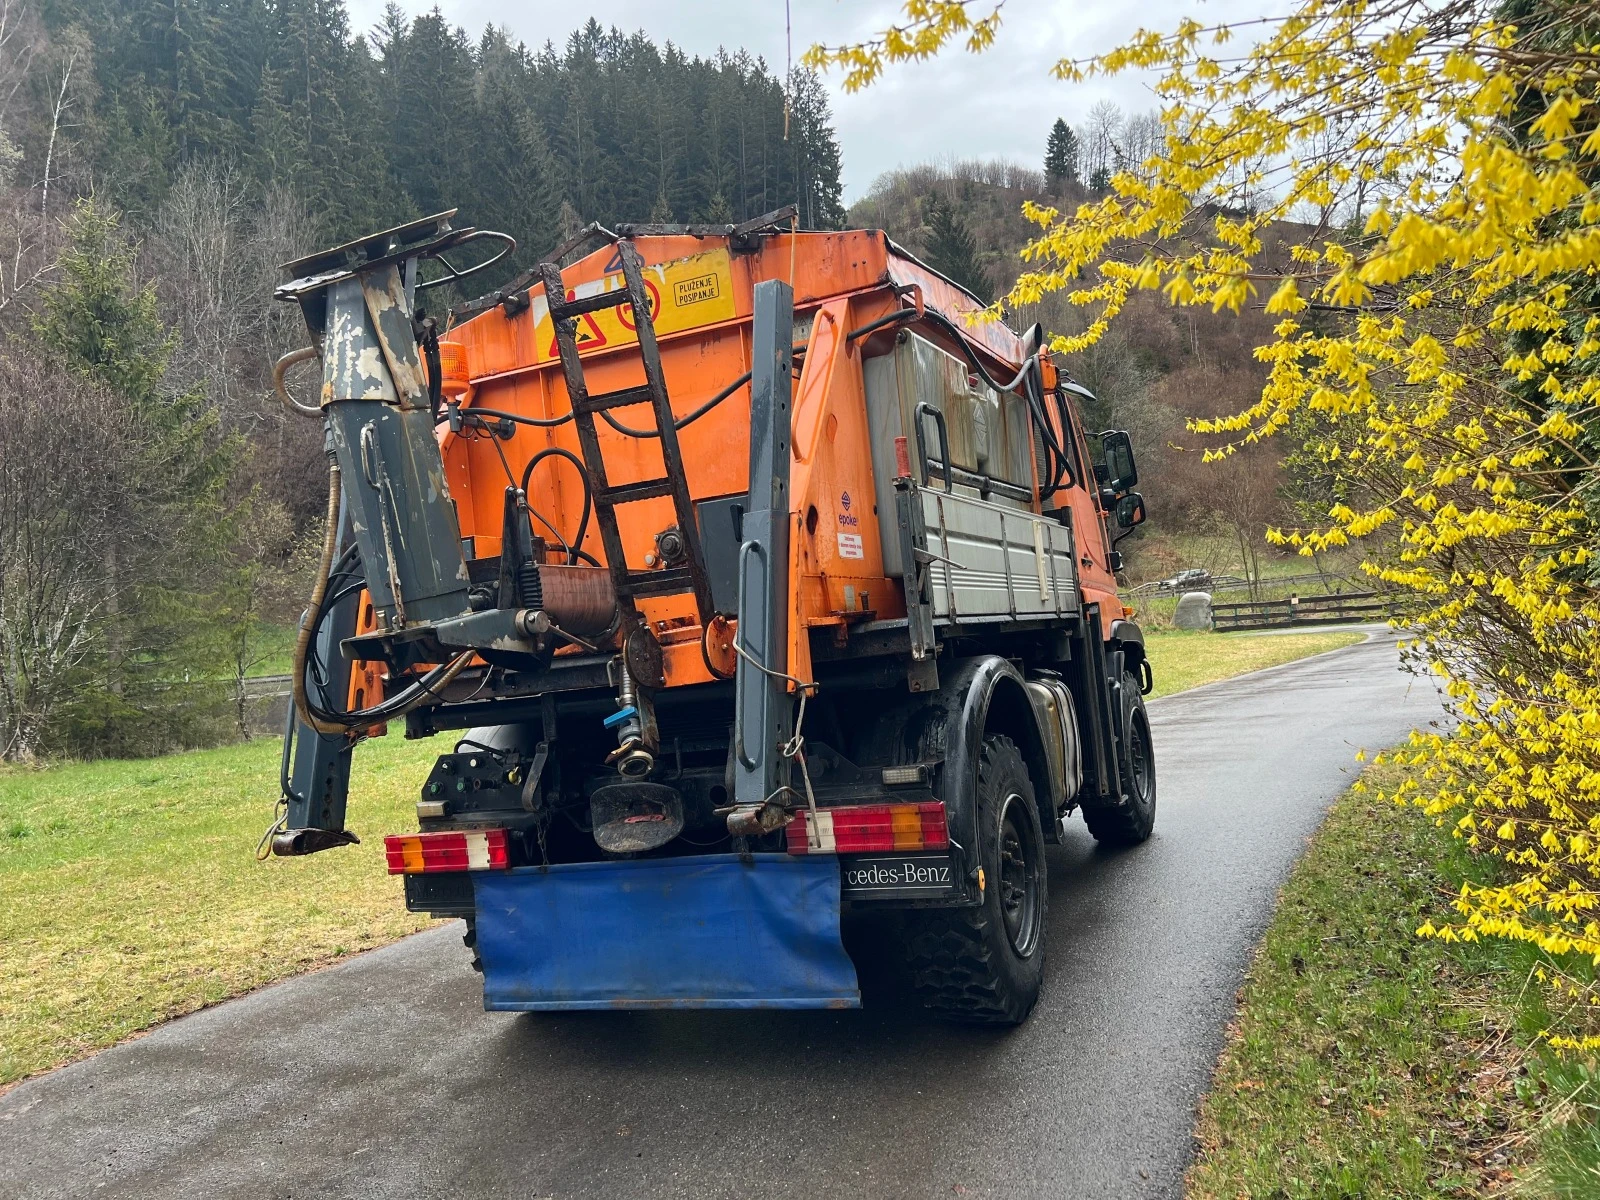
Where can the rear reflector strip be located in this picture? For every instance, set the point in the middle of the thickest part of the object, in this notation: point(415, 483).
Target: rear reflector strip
point(475, 850)
point(863, 828)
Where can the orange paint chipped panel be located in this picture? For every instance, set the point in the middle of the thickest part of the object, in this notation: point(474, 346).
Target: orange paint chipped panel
point(366, 678)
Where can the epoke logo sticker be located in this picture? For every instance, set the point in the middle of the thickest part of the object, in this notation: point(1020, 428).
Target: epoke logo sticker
point(847, 519)
point(844, 501)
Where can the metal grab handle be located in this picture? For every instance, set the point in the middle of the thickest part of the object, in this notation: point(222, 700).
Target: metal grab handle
point(924, 409)
point(742, 671)
point(508, 246)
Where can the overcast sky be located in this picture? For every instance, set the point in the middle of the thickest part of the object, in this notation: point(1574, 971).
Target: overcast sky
point(1000, 104)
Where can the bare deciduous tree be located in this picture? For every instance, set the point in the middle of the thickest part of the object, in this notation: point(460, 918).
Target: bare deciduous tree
point(61, 442)
point(1100, 136)
point(210, 285)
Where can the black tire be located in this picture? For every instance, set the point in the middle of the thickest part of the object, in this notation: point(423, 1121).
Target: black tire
point(469, 939)
point(985, 965)
point(1132, 821)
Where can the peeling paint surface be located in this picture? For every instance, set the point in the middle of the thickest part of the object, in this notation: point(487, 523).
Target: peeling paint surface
point(353, 367)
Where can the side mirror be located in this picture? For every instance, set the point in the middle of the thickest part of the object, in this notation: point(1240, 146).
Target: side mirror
point(1117, 449)
point(1130, 510)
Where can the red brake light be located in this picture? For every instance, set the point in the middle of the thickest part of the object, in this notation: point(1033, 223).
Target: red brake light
point(863, 828)
point(470, 850)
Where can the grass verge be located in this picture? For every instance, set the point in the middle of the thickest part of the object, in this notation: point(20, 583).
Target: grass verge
point(129, 893)
point(1185, 660)
point(1364, 1062)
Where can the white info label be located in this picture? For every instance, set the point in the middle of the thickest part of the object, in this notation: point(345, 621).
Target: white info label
point(850, 546)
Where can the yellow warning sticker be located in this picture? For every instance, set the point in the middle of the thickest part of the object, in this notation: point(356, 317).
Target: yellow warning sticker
point(684, 294)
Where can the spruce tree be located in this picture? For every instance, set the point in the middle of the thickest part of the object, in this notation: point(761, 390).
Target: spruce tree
point(818, 187)
point(1061, 155)
point(164, 523)
point(950, 248)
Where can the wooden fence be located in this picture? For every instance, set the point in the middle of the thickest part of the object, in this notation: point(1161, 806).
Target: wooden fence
point(1340, 608)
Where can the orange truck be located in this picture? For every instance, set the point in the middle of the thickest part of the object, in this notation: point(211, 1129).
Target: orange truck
point(767, 592)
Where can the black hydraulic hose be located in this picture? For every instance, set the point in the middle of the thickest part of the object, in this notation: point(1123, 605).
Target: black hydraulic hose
point(1058, 466)
point(341, 569)
point(318, 718)
point(691, 417)
point(429, 342)
point(396, 706)
point(683, 421)
point(390, 709)
point(314, 665)
point(517, 418)
point(313, 614)
point(1064, 412)
point(1062, 469)
point(949, 326)
point(550, 525)
point(588, 494)
point(899, 317)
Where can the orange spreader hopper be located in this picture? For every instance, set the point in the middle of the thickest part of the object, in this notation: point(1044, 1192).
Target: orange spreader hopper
point(700, 289)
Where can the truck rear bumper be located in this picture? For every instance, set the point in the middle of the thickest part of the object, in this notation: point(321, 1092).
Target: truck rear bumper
point(709, 931)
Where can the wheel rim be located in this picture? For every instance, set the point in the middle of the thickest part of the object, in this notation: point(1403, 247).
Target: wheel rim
point(1019, 876)
point(1139, 758)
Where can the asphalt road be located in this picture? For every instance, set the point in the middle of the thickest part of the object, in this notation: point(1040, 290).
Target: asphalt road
point(383, 1076)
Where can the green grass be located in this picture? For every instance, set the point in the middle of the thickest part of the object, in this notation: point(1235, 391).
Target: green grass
point(1184, 660)
point(1158, 553)
point(1365, 1062)
point(129, 891)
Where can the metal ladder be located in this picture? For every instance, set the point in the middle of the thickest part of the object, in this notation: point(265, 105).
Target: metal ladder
point(691, 577)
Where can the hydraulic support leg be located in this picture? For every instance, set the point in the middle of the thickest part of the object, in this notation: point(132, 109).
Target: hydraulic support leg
point(763, 717)
point(316, 768)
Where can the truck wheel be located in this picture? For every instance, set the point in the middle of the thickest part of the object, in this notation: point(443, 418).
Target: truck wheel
point(986, 964)
point(1131, 822)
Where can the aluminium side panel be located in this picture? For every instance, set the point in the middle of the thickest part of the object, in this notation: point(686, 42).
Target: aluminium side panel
point(989, 560)
point(880, 376)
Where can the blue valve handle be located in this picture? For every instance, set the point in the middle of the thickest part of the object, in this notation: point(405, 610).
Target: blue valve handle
point(621, 715)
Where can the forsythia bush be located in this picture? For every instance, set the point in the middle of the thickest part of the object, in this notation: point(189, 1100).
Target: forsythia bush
point(1440, 336)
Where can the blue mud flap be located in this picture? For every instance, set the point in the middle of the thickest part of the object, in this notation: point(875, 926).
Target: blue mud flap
point(702, 932)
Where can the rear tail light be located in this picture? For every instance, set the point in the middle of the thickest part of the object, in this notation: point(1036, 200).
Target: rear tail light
point(863, 828)
point(475, 850)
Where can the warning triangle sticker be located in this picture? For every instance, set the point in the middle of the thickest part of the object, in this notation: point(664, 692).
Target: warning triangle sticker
point(589, 332)
point(588, 335)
